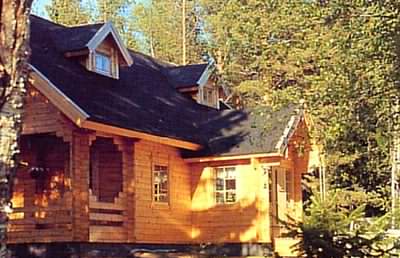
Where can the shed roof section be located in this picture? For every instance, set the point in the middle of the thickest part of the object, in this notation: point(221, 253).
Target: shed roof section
point(145, 99)
point(252, 132)
point(185, 76)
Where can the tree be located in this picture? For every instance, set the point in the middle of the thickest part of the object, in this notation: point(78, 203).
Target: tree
point(14, 51)
point(68, 12)
point(331, 230)
point(76, 12)
point(159, 28)
point(339, 56)
point(118, 12)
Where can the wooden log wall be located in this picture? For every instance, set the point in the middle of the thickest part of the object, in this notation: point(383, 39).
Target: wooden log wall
point(46, 216)
point(233, 222)
point(42, 201)
point(161, 222)
point(40, 116)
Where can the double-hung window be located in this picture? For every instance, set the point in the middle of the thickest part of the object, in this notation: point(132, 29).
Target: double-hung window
point(225, 185)
point(160, 184)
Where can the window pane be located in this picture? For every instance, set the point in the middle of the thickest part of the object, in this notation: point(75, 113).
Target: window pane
point(163, 198)
point(219, 197)
point(230, 196)
point(103, 63)
point(230, 184)
point(219, 184)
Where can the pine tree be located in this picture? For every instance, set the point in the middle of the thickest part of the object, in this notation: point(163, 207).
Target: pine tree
point(332, 230)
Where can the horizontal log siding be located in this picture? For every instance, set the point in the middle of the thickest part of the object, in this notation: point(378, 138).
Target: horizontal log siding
point(161, 222)
point(243, 221)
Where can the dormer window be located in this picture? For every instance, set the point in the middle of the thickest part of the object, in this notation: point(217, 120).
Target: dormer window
point(103, 63)
point(104, 53)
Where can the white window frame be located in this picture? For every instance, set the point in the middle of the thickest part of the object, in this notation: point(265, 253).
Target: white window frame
point(227, 173)
point(105, 57)
point(160, 195)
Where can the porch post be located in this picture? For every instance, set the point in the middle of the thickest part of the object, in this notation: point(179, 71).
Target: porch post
point(129, 188)
point(80, 185)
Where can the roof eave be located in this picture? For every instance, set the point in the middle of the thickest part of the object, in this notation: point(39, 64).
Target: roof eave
point(205, 76)
point(232, 157)
point(283, 142)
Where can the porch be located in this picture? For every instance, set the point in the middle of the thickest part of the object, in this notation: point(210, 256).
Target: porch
point(73, 187)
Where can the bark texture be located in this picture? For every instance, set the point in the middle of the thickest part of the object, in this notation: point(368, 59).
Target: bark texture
point(14, 52)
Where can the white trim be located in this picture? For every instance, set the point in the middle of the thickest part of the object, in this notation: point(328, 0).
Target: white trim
point(232, 157)
point(206, 74)
point(102, 33)
point(289, 131)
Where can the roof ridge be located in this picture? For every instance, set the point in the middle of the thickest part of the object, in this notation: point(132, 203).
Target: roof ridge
point(188, 65)
point(85, 25)
point(46, 20)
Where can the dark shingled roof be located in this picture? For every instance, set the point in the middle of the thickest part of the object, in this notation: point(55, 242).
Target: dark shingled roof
point(259, 132)
point(144, 99)
point(185, 76)
point(74, 38)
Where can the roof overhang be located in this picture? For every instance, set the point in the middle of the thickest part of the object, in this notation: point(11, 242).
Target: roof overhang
point(81, 119)
point(290, 129)
point(205, 76)
point(188, 89)
point(102, 33)
point(232, 157)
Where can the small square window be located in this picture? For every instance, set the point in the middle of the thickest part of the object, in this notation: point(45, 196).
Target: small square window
point(160, 183)
point(103, 63)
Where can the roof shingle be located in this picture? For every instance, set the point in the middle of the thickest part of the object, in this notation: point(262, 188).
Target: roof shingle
point(144, 99)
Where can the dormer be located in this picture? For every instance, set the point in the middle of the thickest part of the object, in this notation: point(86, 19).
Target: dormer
point(99, 48)
point(194, 81)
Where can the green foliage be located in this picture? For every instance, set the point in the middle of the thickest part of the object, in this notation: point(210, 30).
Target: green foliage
point(340, 57)
point(158, 24)
point(67, 12)
point(331, 230)
point(117, 11)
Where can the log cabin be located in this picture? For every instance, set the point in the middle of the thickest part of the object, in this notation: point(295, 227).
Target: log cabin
point(121, 152)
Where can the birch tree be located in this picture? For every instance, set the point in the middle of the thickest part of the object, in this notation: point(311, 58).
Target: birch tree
point(14, 52)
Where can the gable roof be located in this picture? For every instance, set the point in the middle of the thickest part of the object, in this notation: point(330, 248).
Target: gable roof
point(102, 33)
point(70, 39)
point(143, 102)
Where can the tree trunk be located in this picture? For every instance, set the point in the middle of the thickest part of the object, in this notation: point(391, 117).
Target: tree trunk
point(14, 51)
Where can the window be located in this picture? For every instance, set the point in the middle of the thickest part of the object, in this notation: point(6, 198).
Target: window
point(225, 185)
point(160, 183)
point(103, 63)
